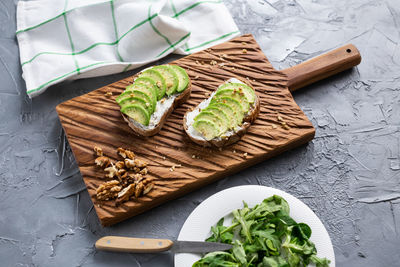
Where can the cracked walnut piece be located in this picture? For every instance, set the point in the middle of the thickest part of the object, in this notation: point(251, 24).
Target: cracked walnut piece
point(112, 171)
point(108, 190)
point(102, 161)
point(140, 163)
point(98, 151)
point(120, 165)
point(130, 163)
point(147, 188)
point(126, 193)
point(126, 153)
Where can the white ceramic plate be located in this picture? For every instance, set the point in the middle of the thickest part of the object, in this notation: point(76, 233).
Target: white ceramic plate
point(197, 225)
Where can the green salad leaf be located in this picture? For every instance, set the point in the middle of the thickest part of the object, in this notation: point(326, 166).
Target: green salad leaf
point(263, 236)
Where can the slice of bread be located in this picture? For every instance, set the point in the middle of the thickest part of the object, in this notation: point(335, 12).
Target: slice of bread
point(232, 136)
point(139, 106)
point(142, 130)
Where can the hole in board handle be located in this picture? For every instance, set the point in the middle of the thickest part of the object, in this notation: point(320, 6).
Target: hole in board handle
point(348, 50)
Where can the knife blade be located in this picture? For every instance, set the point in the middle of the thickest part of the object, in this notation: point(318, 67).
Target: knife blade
point(198, 247)
point(151, 245)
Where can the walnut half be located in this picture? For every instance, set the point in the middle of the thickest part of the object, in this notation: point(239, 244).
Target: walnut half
point(108, 190)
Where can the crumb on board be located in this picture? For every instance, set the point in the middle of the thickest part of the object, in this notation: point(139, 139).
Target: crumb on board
point(282, 123)
point(108, 93)
point(213, 62)
point(244, 43)
point(245, 155)
point(244, 51)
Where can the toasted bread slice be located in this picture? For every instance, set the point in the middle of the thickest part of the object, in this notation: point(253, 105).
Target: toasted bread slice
point(163, 109)
point(154, 129)
point(228, 137)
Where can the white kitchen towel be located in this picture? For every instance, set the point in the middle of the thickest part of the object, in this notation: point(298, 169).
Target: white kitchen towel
point(73, 39)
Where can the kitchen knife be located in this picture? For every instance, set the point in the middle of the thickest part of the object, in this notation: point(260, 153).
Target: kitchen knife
point(150, 245)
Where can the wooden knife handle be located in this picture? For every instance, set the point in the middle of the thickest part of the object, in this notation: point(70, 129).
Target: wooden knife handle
point(323, 66)
point(134, 245)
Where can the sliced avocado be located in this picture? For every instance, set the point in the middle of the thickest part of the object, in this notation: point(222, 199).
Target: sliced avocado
point(234, 104)
point(171, 79)
point(221, 115)
point(231, 118)
point(138, 94)
point(247, 90)
point(235, 94)
point(137, 113)
point(149, 82)
point(207, 128)
point(209, 116)
point(158, 79)
point(182, 77)
point(148, 90)
point(135, 101)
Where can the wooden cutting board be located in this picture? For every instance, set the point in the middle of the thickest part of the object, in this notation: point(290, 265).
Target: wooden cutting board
point(94, 119)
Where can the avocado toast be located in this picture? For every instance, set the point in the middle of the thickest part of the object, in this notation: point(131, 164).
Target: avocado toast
point(225, 116)
point(155, 92)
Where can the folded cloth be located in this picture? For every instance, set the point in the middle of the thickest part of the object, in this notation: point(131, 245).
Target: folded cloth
point(73, 39)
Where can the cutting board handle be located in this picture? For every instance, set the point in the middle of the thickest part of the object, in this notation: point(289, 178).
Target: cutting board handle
point(322, 67)
point(134, 245)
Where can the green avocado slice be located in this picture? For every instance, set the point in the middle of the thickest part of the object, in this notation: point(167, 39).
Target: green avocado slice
point(231, 118)
point(209, 116)
point(138, 94)
point(183, 77)
point(137, 113)
point(221, 115)
point(149, 82)
point(207, 128)
point(158, 79)
point(171, 79)
point(148, 90)
point(247, 90)
point(235, 94)
point(135, 101)
point(234, 104)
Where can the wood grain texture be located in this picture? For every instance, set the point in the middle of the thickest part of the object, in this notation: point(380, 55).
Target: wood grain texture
point(323, 66)
point(94, 119)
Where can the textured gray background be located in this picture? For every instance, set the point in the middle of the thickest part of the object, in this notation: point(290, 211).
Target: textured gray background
point(349, 174)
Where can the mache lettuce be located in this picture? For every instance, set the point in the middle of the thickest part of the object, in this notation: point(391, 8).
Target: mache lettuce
point(263, 236)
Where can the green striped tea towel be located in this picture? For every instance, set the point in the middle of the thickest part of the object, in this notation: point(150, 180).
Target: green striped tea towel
point(72, 39)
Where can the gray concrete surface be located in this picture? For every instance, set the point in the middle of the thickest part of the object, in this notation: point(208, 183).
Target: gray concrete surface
point(349, 174)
